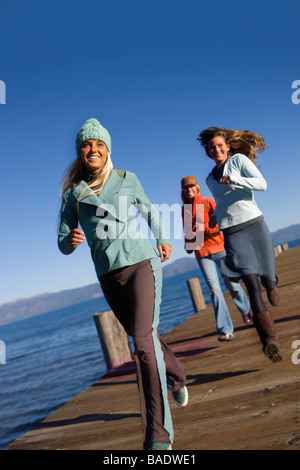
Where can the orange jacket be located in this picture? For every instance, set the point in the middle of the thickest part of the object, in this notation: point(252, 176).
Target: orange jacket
point(197, 220)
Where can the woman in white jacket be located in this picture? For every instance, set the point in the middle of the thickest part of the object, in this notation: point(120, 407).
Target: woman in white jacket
point(248, 242)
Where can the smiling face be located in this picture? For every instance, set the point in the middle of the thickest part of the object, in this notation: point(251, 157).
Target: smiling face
point(93, 154)
point(190, 191)
point(218, 150)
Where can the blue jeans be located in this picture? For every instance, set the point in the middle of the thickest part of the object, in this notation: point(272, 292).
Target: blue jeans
point(208, 266)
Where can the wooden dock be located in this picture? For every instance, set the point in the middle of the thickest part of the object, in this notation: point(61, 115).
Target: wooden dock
point(239, 400)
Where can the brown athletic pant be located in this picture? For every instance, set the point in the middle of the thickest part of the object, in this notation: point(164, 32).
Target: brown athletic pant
point(134, 295)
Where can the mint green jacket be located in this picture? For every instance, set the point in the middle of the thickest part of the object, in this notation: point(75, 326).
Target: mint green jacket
point(109, 223)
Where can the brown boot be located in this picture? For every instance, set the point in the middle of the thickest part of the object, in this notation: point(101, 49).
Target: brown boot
point(273, 296)
point(264, 325)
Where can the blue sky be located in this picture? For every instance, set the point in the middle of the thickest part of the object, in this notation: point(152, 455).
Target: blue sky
point(155, 73)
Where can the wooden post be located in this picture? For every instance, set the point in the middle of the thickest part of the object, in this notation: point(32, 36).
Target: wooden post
point(277, 250)
point(285, 247)
point(196, 294)
point(113, 339)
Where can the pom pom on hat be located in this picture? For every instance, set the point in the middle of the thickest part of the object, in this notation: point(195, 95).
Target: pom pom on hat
point(92, 129)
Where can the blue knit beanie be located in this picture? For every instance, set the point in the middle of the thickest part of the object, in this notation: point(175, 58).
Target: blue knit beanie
point(92, 129)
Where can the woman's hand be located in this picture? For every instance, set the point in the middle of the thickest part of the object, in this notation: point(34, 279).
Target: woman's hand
point(76, 237)
point(164, 251)
point(212, 221)
point(224, 180)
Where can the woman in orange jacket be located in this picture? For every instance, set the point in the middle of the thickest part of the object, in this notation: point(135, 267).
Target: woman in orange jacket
point(209, 250)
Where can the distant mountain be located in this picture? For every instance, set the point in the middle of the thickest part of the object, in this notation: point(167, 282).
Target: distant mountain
point(25, 308)
point(181, 265)
point(29, 307)
point(285, 235)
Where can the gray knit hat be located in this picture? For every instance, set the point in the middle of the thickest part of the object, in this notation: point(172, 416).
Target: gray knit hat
point(92, 129)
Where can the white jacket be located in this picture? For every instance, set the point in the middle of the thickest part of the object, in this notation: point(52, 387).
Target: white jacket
point(235, 201)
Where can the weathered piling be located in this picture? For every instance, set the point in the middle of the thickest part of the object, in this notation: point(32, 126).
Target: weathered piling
point(113, 338)
point(196, 294)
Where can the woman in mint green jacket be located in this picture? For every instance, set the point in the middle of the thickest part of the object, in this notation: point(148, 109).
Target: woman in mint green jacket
point(101, 199)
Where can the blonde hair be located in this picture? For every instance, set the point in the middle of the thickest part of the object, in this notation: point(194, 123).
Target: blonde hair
point(74, 173)
point(239, 141)
point(185, 200)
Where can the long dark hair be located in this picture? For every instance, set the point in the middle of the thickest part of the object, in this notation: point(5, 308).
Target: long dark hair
point(240, 141)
